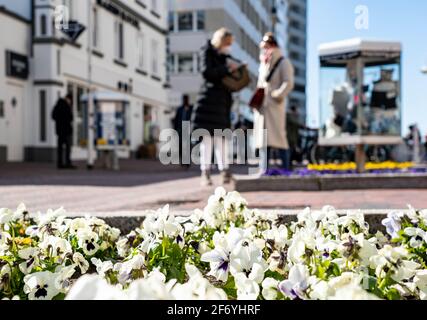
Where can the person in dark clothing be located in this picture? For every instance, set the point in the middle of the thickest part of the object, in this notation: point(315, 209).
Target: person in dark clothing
point(183, 113)
point(62, 114)
point(215, 102)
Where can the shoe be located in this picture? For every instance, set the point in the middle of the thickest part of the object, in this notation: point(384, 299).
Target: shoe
point(70, 167)
point(206, 180)
point(226, 177)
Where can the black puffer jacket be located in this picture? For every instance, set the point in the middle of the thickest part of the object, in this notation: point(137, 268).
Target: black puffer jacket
point(62, 114)
point(215, 100)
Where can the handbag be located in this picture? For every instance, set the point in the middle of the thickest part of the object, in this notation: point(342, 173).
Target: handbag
point(238, 79)
point(258, 97)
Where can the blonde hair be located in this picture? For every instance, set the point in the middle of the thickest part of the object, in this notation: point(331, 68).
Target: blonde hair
point(219, 36)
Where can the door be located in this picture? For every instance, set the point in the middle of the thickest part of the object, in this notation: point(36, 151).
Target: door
point(14, 123)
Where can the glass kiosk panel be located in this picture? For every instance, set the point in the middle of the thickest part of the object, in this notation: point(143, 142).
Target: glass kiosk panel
point(360, 98)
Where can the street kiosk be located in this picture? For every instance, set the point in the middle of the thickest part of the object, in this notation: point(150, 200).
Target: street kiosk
point(360, 95)
point(111, 125)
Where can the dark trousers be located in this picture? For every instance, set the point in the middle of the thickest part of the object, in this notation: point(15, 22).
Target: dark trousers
point(63, 156)
point(284, 155)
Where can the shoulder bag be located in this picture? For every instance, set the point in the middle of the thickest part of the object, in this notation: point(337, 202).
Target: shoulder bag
point(258, 97)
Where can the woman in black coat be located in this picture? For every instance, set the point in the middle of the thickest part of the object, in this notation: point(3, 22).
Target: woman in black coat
point(214, 103)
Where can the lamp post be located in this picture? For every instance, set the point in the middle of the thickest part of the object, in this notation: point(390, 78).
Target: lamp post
point(90, 105)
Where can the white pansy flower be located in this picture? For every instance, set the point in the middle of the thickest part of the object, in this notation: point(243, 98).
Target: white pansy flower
point(102, 267)
point(197, 287)
point(219, 257)
point(78, 224)
point(247, 289)
point(30, 255)
point(269, 288)
point(94, 287)
point(301, 241)
point(41, 285)
point(418, 237)
point(297, 283)
point(6, 215)
point(233, 201)
point(405, 270)
point(277, 234)
point(64, 274)
point(352, 291)
point(247, 258)
point(43, 219)
point(162, 223)
point(319, 289)
point(420, 281)
point(88, 241)
point(393, 223)
point(4, 275)
point(55, 246)
point(125, 269)
point(81, 262)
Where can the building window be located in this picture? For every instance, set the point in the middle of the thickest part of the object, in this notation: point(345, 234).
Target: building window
point(119, 39)
point(185, 21)
point(154, 57)
point(95, 28)
point(42, 105)
point(295, 40)
point(171, 19)
point(294, 55)
point(141, 54)
point(58, 61)
point(1, 109)
point(295, 24)
point(171, 63)
point(185, 63)
point(43, 25)
point(200, 20)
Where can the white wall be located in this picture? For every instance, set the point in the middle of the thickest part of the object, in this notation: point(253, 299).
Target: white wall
point(16, 41)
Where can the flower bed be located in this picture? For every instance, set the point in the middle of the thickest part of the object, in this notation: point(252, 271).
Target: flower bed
point(348, 168)
point(226, 251)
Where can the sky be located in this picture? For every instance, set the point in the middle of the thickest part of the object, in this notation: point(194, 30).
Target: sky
point(390, 20)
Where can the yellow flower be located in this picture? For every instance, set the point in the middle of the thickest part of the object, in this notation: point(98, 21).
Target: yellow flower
point(23, 241)
point(387, 165)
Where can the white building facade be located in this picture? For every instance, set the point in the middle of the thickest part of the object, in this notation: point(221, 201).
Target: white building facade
point(128, 56)
point(192, 23)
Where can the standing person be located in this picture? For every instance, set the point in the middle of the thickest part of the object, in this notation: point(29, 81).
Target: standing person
point(276, 76)
point(183, 113)
point(214, 103)
point(62, 114)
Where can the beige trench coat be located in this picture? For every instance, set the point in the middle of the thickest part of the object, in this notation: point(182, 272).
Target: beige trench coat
point(272, 116)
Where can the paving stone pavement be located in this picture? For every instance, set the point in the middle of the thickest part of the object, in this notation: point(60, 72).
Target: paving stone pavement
point(145, 185)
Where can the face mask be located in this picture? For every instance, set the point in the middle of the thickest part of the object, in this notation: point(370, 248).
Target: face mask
point(226, 50)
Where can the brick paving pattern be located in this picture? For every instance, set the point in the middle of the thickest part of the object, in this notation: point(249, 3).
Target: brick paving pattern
point(143, 185)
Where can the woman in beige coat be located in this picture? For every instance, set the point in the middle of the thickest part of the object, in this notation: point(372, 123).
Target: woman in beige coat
point(276, 76)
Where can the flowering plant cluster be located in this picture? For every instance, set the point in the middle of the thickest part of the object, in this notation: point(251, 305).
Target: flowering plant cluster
point(225, 251)
point(349, 166)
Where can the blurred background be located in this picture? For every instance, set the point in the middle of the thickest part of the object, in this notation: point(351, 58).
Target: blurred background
point(133, 61)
